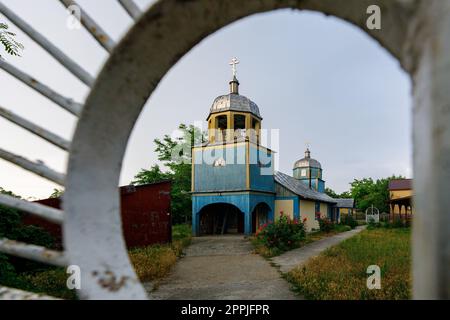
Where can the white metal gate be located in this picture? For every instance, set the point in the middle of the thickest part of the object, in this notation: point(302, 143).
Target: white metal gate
point(416, 32)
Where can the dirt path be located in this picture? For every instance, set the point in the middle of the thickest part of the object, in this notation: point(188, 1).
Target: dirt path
point(223, 267)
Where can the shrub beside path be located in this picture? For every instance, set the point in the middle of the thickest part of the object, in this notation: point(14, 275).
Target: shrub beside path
point(291, 259)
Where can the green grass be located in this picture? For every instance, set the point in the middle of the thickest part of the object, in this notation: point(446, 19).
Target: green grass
point(267, 252)
point(154, 262)
point(51, 282)
point(150, 263)
point(340, 272)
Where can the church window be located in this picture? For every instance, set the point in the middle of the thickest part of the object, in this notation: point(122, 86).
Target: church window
point(222, 124)
point(239, 121)
point(254, 123)
point(239, 126)
point(303, 173)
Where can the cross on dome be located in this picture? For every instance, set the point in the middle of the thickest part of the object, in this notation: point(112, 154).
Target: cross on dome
point(233, 63)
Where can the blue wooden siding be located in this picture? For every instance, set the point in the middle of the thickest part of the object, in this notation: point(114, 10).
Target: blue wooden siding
point(231, 177)
point(261, 170)
point(321, 186)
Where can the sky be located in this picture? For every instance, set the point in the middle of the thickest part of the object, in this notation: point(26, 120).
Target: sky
point(317, 79)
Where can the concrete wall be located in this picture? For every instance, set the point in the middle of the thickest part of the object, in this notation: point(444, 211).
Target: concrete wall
point(307, 210)
point(285, 206)
point(324, 210)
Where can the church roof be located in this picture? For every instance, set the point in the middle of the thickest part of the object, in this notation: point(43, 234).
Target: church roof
point(307, 161)
point(400, 184)
point(299, 188)
point(345, 203)
point(234, 102)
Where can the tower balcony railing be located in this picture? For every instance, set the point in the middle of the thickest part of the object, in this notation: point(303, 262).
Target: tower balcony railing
point(230, 135)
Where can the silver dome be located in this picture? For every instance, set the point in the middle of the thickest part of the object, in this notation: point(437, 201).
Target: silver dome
point(307, 162)
point(234, 102)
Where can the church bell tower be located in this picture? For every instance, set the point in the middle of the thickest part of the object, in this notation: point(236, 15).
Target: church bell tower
point(232, 174)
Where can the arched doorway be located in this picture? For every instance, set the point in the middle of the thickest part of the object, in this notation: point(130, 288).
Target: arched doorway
point(260, 215)
point(220, 218)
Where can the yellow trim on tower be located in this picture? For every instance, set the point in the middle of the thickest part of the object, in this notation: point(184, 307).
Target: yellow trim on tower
point(247, 160)
point(192, 169)
point(218, 146)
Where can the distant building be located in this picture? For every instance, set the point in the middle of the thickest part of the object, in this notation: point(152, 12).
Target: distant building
point(400, 198)
point(235, 188)
point(345, 206)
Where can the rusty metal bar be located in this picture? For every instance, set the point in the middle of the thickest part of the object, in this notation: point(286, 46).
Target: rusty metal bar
point(66, 103)
point(131, 8)
point(38, 168)
point(47, 213)
point(33, 128)
point(61, 57)
point(94, 29)
point(33, 252)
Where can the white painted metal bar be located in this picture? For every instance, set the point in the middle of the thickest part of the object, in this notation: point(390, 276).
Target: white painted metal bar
point(94, 29)
point(33, 128)
point(38, 168)
point(66, 103)
point(67, 62)
point(16, 294)
point(37, 209)
point(131, 8)
point(33, 252)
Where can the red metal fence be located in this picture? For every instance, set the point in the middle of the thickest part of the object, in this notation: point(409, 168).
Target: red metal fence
point(145, 209)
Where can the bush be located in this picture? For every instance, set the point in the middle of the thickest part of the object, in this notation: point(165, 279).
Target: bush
point(373, 225)
point(282, 235)
point(51, 282)
point(11, 227)
point(155, 261)
point(152, 262)
point(349, 221)
point(341, 228)
point(181, 238)
point(397, 223)
point(325, 225)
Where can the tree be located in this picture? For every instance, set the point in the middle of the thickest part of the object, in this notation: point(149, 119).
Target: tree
point(10, 45)
point(368, 192)
point(175, 154)
point(11, 227)
point(57, 193)
point(333, 194)
point(346, 195)
point(151, 176)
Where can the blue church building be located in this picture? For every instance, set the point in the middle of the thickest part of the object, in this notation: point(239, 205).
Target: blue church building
point(235, 188)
